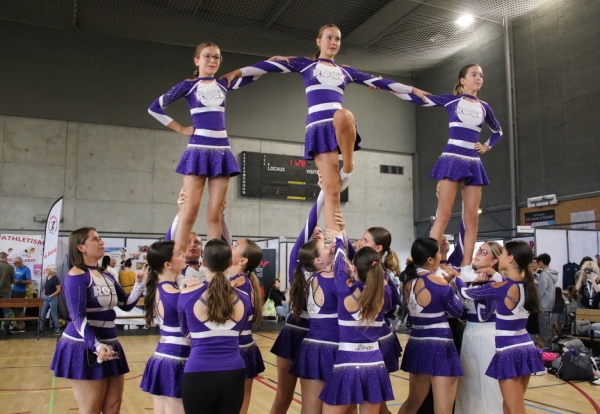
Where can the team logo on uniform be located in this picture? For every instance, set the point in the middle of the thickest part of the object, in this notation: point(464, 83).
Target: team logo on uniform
point(469, 113)
point(328, 75)
point(210, 94)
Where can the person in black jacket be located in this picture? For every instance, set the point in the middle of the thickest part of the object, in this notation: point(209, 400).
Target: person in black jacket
point(278, 297)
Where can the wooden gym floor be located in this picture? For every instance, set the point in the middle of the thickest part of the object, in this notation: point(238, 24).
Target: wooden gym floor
point(27, 385)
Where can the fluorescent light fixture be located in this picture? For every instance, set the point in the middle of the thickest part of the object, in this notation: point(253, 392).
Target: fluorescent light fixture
point(465, 20)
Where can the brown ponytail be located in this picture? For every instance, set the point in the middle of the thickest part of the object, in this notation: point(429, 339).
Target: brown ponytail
point(521, 252)
point(217, 256)
point(254, 254)
point(159, 253)
point(370, 273)
point(382, 237)
point(299, 289)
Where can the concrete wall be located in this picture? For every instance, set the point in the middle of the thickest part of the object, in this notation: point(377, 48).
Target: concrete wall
point(122, 179)
point(432, 134)
point(558, 99)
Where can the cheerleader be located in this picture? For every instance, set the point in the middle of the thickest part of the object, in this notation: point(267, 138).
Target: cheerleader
point(359, 374)
point(460, 162)
point(214, 314)
point(88, 352)
point(163, 374)
point(330, 129)
point(516, 356)
point(430, 355)
point(314, 361)
point(288, 341)
point(478, 345)
point(380, 239)
point(246, 256)
point(208, 154)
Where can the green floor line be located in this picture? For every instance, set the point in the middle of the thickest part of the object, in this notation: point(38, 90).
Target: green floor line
point(51, 404)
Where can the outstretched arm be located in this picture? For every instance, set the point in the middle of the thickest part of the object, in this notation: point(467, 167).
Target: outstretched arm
point(276, 64)
point(381, 83)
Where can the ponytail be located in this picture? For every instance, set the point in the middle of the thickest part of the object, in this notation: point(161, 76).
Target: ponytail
point(149, 299)
point(218, 302)
point(391, 262)
point(532, 297)
point(459, 89)
point(306, 261)
point(298, 292)
point(410, 271)
point(256, 298)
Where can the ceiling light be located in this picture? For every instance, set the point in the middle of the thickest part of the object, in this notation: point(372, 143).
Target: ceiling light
point(465, 20)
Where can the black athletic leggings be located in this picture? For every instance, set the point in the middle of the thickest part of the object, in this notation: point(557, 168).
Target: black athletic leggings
point(214, 392)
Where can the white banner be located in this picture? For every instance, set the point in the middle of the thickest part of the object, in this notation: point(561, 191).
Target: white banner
point(29, 248)
point(579, 216)
point(51, 236)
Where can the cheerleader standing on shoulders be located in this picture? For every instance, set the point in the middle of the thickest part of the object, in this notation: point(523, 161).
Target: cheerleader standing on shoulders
point(359, 374)
point(214, 314)
point(516, 356)
point(164, 371)
point(288, 341)
point(314, 362)
point(460, 163)
point(430, 355)
point(89, 352)
point(208, 155)
point(246, 256)
point(478, 347)
point(330, 129)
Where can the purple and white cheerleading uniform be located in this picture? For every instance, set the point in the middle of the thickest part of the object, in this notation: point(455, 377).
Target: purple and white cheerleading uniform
point(430, 349)
point(516, 355)
point(459, 160)
point(248, 348)
point(477, 351)
point(388, 340)
point(325, 87)
point(295, 330)
point(209, 151)
point(317, 351)
point(91, 300)
point(359, 374)
point(215, 347)
point(164, 371)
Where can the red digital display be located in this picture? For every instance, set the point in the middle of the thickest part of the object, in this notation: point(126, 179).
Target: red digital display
point(297, 163)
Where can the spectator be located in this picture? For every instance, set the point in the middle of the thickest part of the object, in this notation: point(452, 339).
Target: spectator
point(51, 290)
point(558, 316)
point(107, 264)
point(546, 289)
point(587, 286)
point(278, 297)
point(192, 260)
point(19, 290)
point(127, 277)
point(7, 277)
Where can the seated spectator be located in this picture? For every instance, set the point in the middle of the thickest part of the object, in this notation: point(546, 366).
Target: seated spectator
point(278, 297)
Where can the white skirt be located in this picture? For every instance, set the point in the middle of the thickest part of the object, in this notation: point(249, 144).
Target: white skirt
point(476, 392)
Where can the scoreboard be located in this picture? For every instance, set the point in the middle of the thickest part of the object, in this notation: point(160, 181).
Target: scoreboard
point(280, 177)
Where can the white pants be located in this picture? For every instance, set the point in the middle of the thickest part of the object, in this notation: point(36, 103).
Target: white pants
point(476, 392)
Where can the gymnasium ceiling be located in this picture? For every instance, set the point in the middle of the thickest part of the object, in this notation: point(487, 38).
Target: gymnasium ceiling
point(386, 36)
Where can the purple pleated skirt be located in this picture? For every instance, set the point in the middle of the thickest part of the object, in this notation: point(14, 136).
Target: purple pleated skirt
point(70, 361)
point(253, 359)
point(457, 164)
point(357, 385)
point(209, 162)
point(436, 357)
point(320, 138)
point(391, 350)
point(288, 342)
point(515, 362)
point(315, 360)
point(163, 376)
